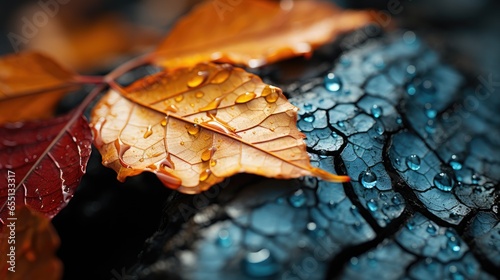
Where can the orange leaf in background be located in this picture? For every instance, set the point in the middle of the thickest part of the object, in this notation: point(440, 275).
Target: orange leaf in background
point(195, 126)
point(31, 84)
point(36, 242)
point(94, 44)
point(254, 32)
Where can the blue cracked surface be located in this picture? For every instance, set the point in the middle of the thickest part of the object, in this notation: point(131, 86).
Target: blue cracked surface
point(423, 201)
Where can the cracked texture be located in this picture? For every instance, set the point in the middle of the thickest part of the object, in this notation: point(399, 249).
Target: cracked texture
point(392, 117)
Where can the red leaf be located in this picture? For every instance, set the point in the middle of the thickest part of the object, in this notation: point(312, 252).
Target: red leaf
point(47, 165)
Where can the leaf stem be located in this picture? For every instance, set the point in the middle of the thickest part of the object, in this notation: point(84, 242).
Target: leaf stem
point(127, 66)
point(77, 113)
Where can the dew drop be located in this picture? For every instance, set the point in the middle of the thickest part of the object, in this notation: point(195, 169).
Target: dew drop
point(410, 225)
point(297, 199)
point(411, 70)
point(206, 155)
point(221, 77)
point(179, 98)
point(376, 111)
point(341, 124)
point(411, 89)
point(205, 174)
point(396, 200)
point(311, 226)
point(431, 229)
point(273, 96)
point(224, 239)
point(198, 79)
point(212, 105)
point(193, 129)
point(455, 162)
point(430, 112)
point(213, 162)
point(475, 179)
point(332, 82)
point(430, 127)
point(245, 97)
point(368, 179)
point(413, 162)
point(199, 94)
point(372, 205)
point(454, 244)
point(164, 123)
point(260, 264)
point(308, 106)
point(149, 132)
point(443, 181)
point(309, 118)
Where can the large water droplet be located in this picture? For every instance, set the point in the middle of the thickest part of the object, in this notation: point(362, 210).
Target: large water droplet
point(260, 264)
point(368, 179)
point(205, 174)
point(271, 94)
point(193, 129)
point(224, 239)
point(372, 205)
point(222, 76)
point(206, 155)
point(376, 111)
point(333, 82)
point(245, 97)
point(297, 199)
point(455, 162)
point(443, 181)
point(309, 118)
point(198, 79)
point(413, 162)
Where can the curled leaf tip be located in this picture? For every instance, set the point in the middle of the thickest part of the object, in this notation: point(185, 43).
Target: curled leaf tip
point(320, 173)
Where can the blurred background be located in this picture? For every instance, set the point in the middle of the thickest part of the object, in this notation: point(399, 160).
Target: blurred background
point(104, 227)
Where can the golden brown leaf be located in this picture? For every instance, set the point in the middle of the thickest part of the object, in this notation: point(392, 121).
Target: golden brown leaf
point(195, 126)
point(36, 242)
point(254, 32)
point(31, 84)
point(92, 44)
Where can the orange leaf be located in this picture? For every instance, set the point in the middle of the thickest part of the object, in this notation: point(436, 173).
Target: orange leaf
point(92, 44)
point(195, 126)
point(31, 84)
point(35, 246)
point(254, 32)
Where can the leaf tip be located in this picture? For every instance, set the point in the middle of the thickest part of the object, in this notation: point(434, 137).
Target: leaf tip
point(329, 176)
